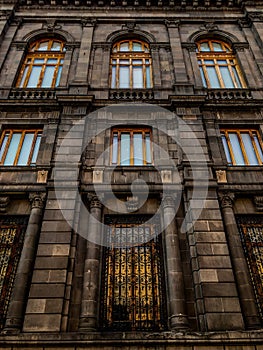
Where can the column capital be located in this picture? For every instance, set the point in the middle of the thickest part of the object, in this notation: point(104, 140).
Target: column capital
point(4, 201)
point(94, 201)
point(226, 199)
point(168, 201)
point(88, 22)
point(37, 199)
point(191, 47)
point(171, 23)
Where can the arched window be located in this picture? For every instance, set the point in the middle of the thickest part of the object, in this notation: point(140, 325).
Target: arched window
point(131, 65)
point(218, 65)
point(43, 64)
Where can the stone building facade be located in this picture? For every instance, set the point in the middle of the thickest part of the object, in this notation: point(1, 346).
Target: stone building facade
point(131, 176)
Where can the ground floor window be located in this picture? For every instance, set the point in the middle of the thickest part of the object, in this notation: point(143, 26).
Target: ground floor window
point(251, 231)
point(133, 288)
point(12, 231)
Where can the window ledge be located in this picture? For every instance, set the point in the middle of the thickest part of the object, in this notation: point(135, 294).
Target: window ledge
point(131, 94)
point(32, 94)
point(229, 94)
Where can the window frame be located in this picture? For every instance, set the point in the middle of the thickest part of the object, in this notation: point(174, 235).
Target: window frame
point(23, 132)
point(131, 56)
point(29, 63)
point(225, 55)
point(224, 132)
point(131, 131)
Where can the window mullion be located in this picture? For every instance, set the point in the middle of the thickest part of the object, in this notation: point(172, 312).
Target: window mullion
point(19, 147)
point(243, 148)
point(7, 144)
point(230, 148)
point(254, 145)
point(218, 73)
point(131, 148)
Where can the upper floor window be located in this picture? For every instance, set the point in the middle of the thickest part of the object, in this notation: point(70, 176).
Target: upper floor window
point(42, 65)
point(242, 147)
point(19, 147)
point(131, 65)
point(131, 147)
point(218, 65)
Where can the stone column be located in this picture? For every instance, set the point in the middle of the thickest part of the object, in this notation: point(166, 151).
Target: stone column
point(91, 275)
point(245, 290)
point(176, 303)
point(157, 83)
point(177, 52)
point(26, 263)
point(191, 47)
point(85, 50)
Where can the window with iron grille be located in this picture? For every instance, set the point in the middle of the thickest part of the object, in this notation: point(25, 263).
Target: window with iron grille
point(251, 233)
point(218, 65)
point(242, 146)
point(131, 146)
point(19, 147)
point(133, 292)
point(12, 231)
point(131, 65)
point(42, 66)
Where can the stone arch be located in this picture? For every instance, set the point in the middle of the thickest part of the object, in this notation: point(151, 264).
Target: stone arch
point(213, 33)
point(128, 33)
point(42, 33)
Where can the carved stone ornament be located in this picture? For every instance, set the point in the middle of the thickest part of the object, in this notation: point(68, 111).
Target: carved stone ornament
point(37, 199)
point(221, 176)
point(226, 199)
point(209, 27)
point(4, 201)
point(172, 23)
point(256, 16)
point(240, 47)
point(191, 47)
point(132, 204)
point(88, 22)
point(258, 200)
point(131, 25)
point(94, 201)
point(168, 201)
point(50, 26)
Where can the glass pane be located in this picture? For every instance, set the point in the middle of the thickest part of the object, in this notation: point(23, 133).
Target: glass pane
point(114, 159)
point(148, 149)
point(203, 77)
point(3, 146)
point(222, 62)
point(124, 78)
point(43, 46)
point(137, 149)
point(136, 47)
point(25, 149)
point(236, 77)
point(38, 61)
point(58, 76)
point(259, 149)
point(125, 149)
point(12, 149)
point(148, 77)
point(56, 46)
point(34, 77)
point(204, 47)
point(52, 61)
point(124, 62)
point(239, 159)
point(213, 79)
point(113, 77)
point(228, 156)
point(250, 152)
point(48, 77)
point(137, 62)
point(124, 46)
point(217, 47)
point(24, 77)
point(137, 76)
point(36, 149)
point(227, 79)
point(209, 62)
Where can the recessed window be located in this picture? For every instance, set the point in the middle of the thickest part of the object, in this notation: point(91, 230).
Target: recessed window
point(242, 146)
point(19, 147)
point(42, 66)
point(133, 295)
point(218, 65)
point(131, 65)
point(251, 233)
point(131, 147)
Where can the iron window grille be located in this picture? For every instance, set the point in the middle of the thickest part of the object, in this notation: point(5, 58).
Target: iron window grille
point(242, 146)
point(19, 147)
point(42, 66)
point(131, 65)
point(133, 293)
point(218, 65)
point(251, 233)
point(12, 231)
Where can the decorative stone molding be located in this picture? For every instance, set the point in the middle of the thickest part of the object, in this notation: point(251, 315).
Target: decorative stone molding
point(130, 26)
point(191, 47)
point(258, 200)
point(168, 202)
point(240, 47)
point(51, 26)
point(256, 16)
point(4, 201)
point(42, 176)
point(166, 176)
point(32, 94)
point(221, 176)
point(88, 22)
point(172, 23)
point(226, 199)
point(97, 176)
point(132, 204)
point(209, 27)
point(37, 199)
point(228, 94)
point(131, 95)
